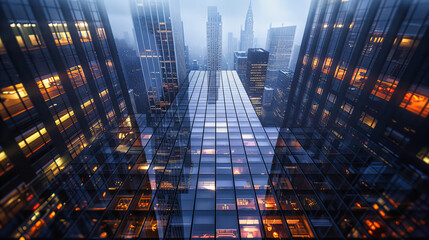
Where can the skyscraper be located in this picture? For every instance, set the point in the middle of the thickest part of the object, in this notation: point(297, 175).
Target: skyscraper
point(214, 40)
point(61, 85)
point(279, 45)
point(232, 47)
point(246, 37)
point(370, 81)
point(240, 64)
point(257, 61)
point(160, 40)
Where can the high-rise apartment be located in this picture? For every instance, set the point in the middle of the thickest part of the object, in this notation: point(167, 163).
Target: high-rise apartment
point(257, 62)
point(246, 37)
point(61, 85)
point(214, 39)
point(279, 45)
point(159, 33)
point(361, 69)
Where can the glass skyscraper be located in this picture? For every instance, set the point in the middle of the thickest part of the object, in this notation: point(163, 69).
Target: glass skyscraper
point(214, 39)
point(361, 71)
point(279, 45)
point(61, 85)
point(256, 73)
point(161, 45)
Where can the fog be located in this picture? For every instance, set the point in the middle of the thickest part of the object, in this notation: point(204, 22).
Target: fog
point(194, 17)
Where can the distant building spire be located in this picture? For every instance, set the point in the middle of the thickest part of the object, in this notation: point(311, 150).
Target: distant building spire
point(246, 39)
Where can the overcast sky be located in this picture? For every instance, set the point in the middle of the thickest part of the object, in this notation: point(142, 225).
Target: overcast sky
point(194, 16)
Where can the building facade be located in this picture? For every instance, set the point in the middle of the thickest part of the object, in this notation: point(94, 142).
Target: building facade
point(281, 95)
point(257, 62)
point(214, 40)
point(132, 67)
point(294, 57)
point(240, 64)
point(246, 37)
point(363, 71)
point(159, 33)
point(61, 84)
point(279, 45)
point(209, 169)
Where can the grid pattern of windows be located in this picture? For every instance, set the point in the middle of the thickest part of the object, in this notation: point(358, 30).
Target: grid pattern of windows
point(56, 94)
point(362, 69)
point(207, 168)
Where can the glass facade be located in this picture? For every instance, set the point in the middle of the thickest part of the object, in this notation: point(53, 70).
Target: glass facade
point(350, 160)
point(207, 168)
point(279, 44)
point(362, 70)
point(159, 34)
point(60, 87)
point(256, 73)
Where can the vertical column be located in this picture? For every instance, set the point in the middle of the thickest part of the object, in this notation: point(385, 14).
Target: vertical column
point(355, 55)
point(339, 48)
point(380, 60)
point(299, 65)
point(115, 56)
point(60, 66)
point(65, 9)
point(101, 57)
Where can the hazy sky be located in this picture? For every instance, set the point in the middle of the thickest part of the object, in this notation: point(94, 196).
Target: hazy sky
point(194, 16)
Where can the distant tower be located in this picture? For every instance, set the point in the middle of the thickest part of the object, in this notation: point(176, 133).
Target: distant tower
point(214, 39)
point(246, 38)
point(161, 45)
point(279, 45)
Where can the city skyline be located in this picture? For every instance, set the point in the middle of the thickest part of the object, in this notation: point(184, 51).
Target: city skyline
point(194, 16)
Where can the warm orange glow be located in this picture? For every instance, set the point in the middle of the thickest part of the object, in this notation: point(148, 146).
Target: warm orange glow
point(384, 89)
point(416, 103)
point(340, 72)
point(359, 77)
point(305, 60)
point(327, 65)
point(315, 63)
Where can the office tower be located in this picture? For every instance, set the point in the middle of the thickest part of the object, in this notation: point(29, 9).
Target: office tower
point(279, 45)
point(294, 57)
point(246, 37)
point(133, 76)
point(160, 40)
point(62, 84)
point(280, 96)
point(240, 64)
point(371, 80)
point(232, 47)
point(257, 61)
point(214, 40)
